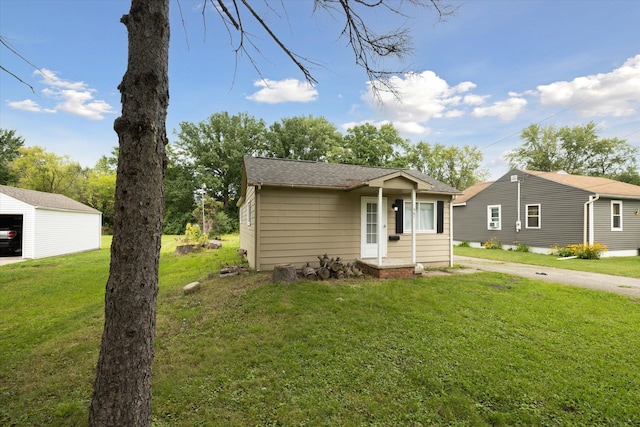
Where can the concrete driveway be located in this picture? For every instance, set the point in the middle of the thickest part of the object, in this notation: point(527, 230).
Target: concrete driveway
point(10, 260)
point(603, 282)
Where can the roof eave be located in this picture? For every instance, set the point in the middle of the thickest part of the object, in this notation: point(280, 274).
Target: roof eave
point(618, 196)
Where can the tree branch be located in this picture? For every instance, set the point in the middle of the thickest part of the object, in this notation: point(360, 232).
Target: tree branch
point(15, 52)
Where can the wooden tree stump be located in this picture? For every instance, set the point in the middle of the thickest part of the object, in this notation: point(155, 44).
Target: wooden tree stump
point(284, 273)
point(184, 249)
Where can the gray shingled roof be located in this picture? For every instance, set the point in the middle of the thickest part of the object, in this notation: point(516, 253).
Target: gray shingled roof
point(272, 171)
point(46, 200)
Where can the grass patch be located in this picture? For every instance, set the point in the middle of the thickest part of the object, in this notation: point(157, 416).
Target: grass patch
point(479, 349)
point(617, 266)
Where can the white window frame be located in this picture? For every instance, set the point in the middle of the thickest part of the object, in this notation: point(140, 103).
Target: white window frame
point(490, 218)
point(614, 215)
point(407, 217)
point(539, 216)
point(248, 211)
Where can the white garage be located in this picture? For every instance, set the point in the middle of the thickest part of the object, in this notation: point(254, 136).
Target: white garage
point(48, 224)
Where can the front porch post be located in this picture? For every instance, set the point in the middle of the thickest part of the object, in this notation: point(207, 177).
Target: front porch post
point(379, 222)
point(413, 226)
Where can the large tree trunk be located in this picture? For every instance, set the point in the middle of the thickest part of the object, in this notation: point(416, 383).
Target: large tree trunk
point(122, 390)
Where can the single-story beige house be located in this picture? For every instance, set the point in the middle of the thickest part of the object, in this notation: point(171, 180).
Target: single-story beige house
point(292, 211)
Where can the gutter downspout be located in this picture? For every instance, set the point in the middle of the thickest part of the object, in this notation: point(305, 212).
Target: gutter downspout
point(379, 221)
point(451, 231)
point(256, 236)
point(413, 226)
point(588, 225)
point(519, 222)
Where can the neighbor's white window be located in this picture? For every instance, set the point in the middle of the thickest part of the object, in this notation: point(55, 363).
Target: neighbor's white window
point(616, 215)
point(248, 210)
point(425, 217)
point(494, 217)
point(533, 216)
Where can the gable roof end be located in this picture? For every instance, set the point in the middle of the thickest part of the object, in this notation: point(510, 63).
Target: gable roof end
point(471, 192)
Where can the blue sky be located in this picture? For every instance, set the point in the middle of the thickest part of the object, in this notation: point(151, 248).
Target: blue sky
point(477, 79)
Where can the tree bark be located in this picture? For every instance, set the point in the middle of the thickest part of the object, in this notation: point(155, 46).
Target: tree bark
point(285, 273)
point(122, 389)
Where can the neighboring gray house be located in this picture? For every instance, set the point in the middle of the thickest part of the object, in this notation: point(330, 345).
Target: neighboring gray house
point(49, 224)
point(292, 211)
point(541, 209)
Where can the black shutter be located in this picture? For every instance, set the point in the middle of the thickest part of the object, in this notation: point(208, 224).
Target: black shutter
point(440, 219)
point(399, 216)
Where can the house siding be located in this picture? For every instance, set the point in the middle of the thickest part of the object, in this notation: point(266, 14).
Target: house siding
point(431, 248)
point(60, 232)
point(297, 225)
point(561, 213)
point(626, 240)
point(248, 230)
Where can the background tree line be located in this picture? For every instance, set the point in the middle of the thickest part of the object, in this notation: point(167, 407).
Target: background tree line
point(208, 156)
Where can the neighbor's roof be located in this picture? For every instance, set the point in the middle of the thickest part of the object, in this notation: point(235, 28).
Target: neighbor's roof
point(40, 199)
point(299, 173)
point(471, 191)
point(594, 184)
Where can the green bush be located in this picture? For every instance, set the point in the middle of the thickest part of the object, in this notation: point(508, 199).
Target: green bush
point(492, 243)
point(222, 224)
point(580, 250)
point(464, 244)
point(520, 247)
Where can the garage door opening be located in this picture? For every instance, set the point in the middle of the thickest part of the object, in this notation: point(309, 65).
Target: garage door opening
point(10, 235)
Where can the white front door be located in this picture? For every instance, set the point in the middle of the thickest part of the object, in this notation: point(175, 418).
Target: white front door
point(369, 233)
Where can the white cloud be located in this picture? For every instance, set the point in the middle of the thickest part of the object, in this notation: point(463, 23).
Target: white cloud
point(402, 127)
point(613, 94)
point(74, 98)
point(412, 128)
point(50, 78)
point(349, 125)
point(80, 103)
point(505, 110)
point(420, 97)
point(288, 90)
point(472, 99)
point(26, 105)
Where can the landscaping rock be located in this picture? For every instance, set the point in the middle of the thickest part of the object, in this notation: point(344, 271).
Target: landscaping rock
point(214, 244)
point(191, 287)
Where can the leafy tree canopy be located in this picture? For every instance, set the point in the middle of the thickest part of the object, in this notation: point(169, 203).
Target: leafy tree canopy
point(215, 147)
point(368, 145)
point(301, 138)
point(456, 166)
point(10, 143)
point(37, 169)
point(576, 150)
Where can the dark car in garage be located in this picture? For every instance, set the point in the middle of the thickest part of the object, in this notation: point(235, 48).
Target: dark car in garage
point(10, 240)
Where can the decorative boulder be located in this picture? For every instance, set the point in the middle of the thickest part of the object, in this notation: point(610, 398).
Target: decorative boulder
point(191, 287)
point(214, 244)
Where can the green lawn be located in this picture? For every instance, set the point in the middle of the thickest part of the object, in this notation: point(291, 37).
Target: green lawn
point(464, 350)
point(618, 266)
